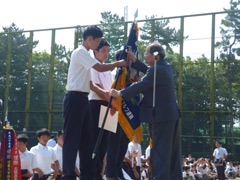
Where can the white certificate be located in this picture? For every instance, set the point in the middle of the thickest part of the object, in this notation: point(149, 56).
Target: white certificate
point(111, 121)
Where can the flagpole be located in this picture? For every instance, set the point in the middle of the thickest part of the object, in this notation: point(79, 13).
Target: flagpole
point(99, 139)
point(154, 112)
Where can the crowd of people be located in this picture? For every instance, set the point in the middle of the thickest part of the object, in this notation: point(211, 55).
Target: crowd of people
point(210, 169)
point(89, 87)
point(44, 160)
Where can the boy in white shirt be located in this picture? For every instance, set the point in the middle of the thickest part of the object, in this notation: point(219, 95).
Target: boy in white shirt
point(231, 172)
point(44, 156)
point(58, 151)
point(78, 131)
point(220, 154)
point(187, 174)
point(133, 156)
point(27, 158)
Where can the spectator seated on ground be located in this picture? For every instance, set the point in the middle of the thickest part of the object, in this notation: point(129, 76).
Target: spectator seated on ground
point(187, 174)
point(196, 173)
point(230, 171)
point(203, 169)
point(211, 171)
point(238, 168)
point(45, 156)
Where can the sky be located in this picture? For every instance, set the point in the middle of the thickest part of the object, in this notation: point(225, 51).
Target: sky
point(45, 14)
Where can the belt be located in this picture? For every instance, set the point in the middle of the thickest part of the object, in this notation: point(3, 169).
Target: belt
point(85, 94)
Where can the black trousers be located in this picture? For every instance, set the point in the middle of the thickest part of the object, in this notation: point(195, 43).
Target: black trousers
point(59, 177)
point(220, 172)
point(78, 136)
point(117, 148)
point(167, 162)
point(95, 106)
point(25, 178)
point(36, 177)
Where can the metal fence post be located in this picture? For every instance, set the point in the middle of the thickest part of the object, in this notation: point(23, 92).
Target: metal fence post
point(51, 73)
point(211, 123)
point(7, 77)
point(28, 91)
point(180, 65)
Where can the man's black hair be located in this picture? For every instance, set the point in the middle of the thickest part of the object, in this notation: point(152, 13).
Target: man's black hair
point(155, 46)
point(102, 43)
point(117, 56)
point(93, 31)
point(22, 138)
point(42, 131)
point(219, 142)
point(60, 133)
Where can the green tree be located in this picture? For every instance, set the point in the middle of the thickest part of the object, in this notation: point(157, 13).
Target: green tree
point(39, 81)
point(229, 51)
point(113, 28)
point(162, 33)
point(18, 71)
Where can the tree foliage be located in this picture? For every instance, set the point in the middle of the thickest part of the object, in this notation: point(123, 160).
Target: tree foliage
point(195, 80)
point(164, 34)
point(229, 51)
point(113, 33)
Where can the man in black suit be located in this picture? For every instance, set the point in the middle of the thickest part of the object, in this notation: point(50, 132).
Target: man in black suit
point(167, 159)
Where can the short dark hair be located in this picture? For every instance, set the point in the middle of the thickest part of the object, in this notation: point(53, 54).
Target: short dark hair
point(22, 138)
point(102, 43)
point(42, 131)
point(93, 31)
point(156, 46)
point(60, 133)
point(219, 142)
point(185, 168)
point(118, 53)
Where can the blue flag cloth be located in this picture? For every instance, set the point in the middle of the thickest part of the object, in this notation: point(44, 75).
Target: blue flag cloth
point(128, 111)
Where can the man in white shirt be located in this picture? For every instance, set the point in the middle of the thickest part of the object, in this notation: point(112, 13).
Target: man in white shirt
point(133, 157)
point(44, 156)
point(220, 154)
point(136, 153)
point(58, 151)
point(78, 132)
point(187, 174)
point(231, 172)
point(147, 154)
point(98, 96)
point(27, 158)
point(117, 147)
point(189, 159)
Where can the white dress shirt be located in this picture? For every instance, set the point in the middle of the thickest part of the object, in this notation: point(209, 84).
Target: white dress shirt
point(104, 79)
point(58, 151)
point(79, 70)
point(230, 169)
point(28, 160)
point(45, 156)
point(220, 153)
point(147, 153)
point(190, 174)
point(135, 147)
